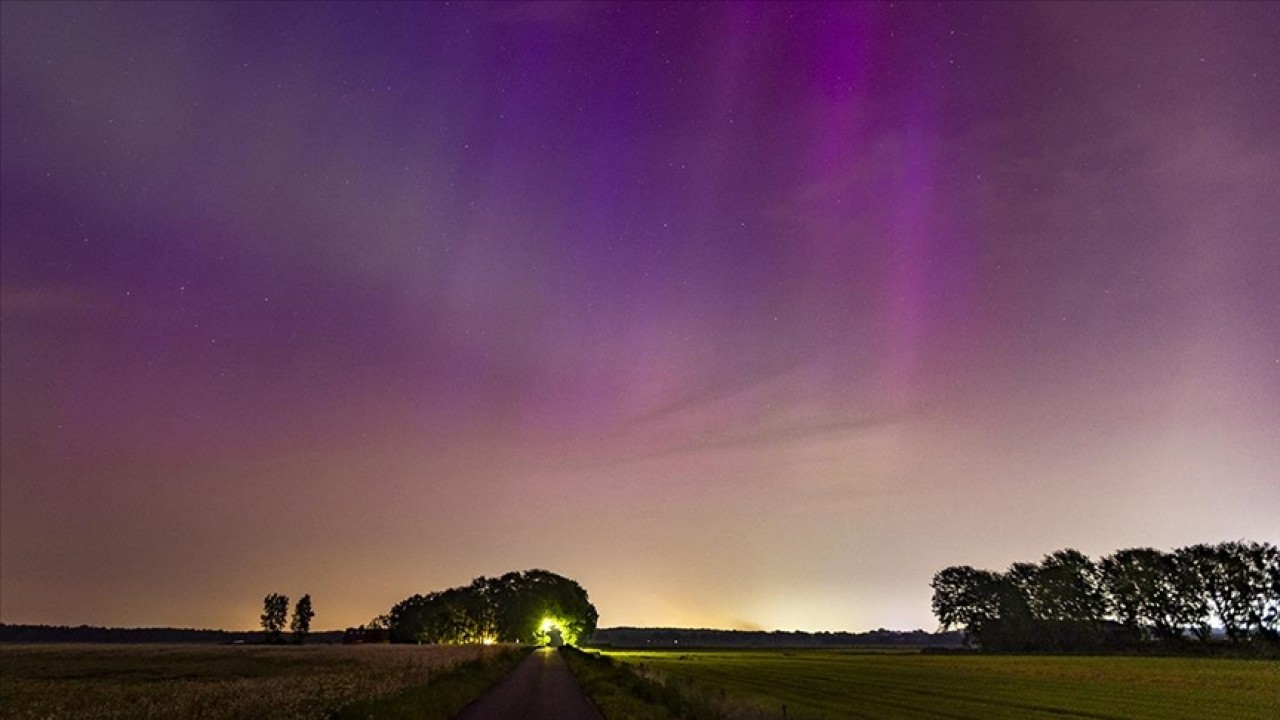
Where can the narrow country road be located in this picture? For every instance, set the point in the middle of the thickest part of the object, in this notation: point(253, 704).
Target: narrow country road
point(540, 688)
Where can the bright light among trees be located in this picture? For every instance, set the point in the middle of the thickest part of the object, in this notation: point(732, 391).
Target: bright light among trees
point(534, 606)
point(555, 631)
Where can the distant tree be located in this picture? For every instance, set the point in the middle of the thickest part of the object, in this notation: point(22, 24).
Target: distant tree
point(1193, 577)
point(1146, 591)
point(275, 610)
point(1026, 578)
point(964, 597)
point(1126, 587)
point(1064, 599)
point(1013, 626)
point(1234, 583)
point(1269, 557)
point(1182, 606)
point(300, 625)
point(1068, 588)
point(407, 618)
point(1263, 573)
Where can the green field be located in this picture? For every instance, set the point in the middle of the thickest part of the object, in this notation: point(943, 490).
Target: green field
point(850, 684)
point(219, 681)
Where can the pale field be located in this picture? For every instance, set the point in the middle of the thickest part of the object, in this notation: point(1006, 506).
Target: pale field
point(213, 682)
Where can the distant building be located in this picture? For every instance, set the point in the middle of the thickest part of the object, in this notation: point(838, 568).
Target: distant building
point(366, 636)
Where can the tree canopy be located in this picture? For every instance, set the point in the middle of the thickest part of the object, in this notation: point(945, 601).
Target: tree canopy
point(300, 625)
point(275, 610)
point(534, 606)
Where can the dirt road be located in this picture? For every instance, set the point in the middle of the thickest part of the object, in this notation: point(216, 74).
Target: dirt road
point(540, 688)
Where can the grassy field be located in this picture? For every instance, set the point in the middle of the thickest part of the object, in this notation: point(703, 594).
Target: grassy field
point(213, 682)
point(847, 684)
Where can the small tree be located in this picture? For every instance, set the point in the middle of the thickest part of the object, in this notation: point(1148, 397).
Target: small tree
point(301, 623)
point(275, 609)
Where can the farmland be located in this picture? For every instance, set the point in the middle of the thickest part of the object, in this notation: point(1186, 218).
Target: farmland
point(849, 684)
point(166, 681)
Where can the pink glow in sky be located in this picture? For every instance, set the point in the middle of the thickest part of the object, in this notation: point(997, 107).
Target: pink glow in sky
point(741, 315)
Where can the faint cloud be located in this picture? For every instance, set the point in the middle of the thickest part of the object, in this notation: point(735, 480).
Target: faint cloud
point(774, 435)
point(713, 418)
point(35, 302)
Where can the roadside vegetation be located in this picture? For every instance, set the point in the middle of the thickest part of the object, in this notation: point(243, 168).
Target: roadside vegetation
point(620, 691)
point(444, 696)
point(239, 681)
point(831, 684)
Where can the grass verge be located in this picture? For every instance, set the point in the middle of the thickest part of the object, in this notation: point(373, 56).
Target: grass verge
point(444, 696)
point(620, 692)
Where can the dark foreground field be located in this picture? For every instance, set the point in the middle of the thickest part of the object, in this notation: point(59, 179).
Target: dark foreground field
point(850, 684)
point(184, 681)
point(214, 682)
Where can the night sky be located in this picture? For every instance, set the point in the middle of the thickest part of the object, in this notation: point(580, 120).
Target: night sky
point(741, 315)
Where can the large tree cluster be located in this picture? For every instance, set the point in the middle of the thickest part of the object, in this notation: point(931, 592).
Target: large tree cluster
point(1069, 602)
point(534, 606)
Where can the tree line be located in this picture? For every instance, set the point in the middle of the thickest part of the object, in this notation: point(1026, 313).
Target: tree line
point(1068, 602)
point(642, 637)
point(534, 606)
point(275, 612)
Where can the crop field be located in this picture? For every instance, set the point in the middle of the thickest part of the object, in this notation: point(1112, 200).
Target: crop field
point(849, 684)
point(211, 682)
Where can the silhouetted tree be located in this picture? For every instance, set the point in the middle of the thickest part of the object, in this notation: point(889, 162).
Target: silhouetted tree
point(405, 619)
point(1199, 578)
point(1264, 576)
point(964, 596)
point(275, 609)
point(300, 625)
point(1064, 599)
point(1271, 605)
point(1182, 606)
point(1144, 587)
point(1069, 588)
point(1225, 584)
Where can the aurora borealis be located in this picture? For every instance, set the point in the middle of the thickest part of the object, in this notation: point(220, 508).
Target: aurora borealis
point(741, 315)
